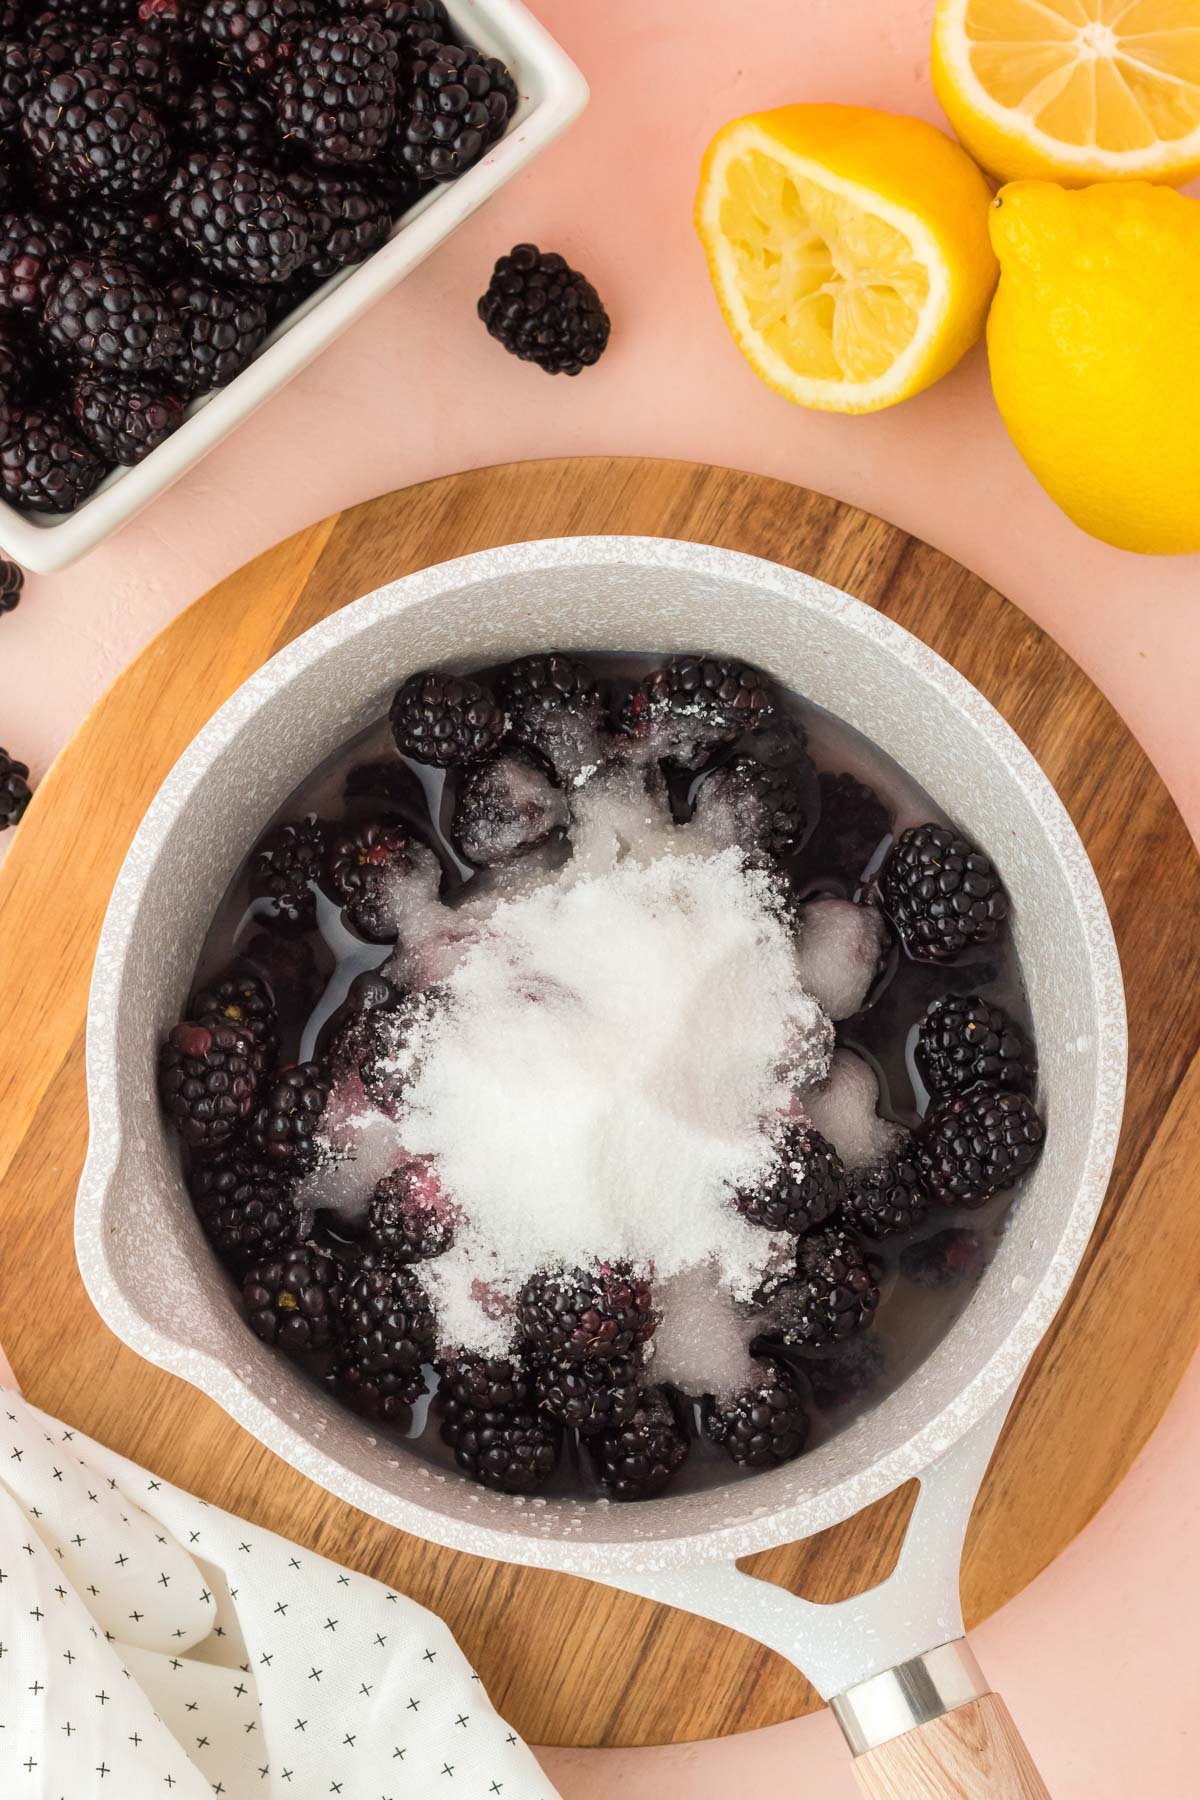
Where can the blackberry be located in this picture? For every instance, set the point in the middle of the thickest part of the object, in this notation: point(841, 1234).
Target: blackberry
point(387, 1327)
point(255, 35)
point(478, 1384)
point(124, 420)
point(135, 234)
point(455, 104)
point(943, 1260)
point(289, 1111)
point(346, 223)
point(21, 70)
point(401, 1221)
point(142, 61)
point(292, 1300)
point(33, 248)
point(852, 824)
point(963, 1041)
point(46, 466)
point(104, 314)
point(241, 999)
point(207, 1081)
point(545, 312)
point(695, 703)
point(762, 1426)
point(804, 1186)
point(389, 1057)
point(71, 15)
point(227, 113)
point(590, 1396)
point(840, 1377)
point(636, 1460)
point(501, 1442)
point(362, 868)
point(286, 865)
point(978, 1143)
point(505, 809)
point(886, 1197)
point(772, 806)
point(337, 95)
point(941, 893)
point(577, 1315)
point(12, 581)
point(386, 1395)
point(411, 22)
point(445, 720)
point(553, 702)
point(222, 331)
point(15, 791)
point(96, 134)
point(246, 1208)
point(832, 1294)
point(239, 220)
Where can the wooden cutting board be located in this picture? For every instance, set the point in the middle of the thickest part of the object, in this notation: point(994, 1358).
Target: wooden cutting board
point(568, 1662)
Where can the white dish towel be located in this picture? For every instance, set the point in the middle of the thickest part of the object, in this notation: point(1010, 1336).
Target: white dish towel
point(153, 1648)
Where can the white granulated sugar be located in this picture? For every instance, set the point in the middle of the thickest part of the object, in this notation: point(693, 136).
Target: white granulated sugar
point(702, 1345)
point(598, 1082)
point(845, 1112)
point(838, 950)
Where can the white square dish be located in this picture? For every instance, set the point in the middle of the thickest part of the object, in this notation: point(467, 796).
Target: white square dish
point(553, 92)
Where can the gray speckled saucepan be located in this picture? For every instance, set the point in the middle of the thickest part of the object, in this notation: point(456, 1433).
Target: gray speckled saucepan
point(893, 1660)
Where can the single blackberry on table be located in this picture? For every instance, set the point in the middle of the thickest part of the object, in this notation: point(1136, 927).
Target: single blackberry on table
point(763, 1425)
point(505, 809)
point(590, 1396)
point(403, 1222)
point(455, 104)
point(33, 248)
point(387, 1325)
point(804, 1185)
point(256, 35)
point(46, 466)
point(346, 222)
point(286, 865)
point(581, 1315)
point(412, 22)
point(694, 703)
point(290, 1106)
point(964, 1041)
point(15, 791)
point(491, 1424)
point(222, 332)
point(105, 314)
point(445, 719)
point(852, 824)
point(635, 1461)
point(227, 112)
point(553, 703)
point(362, 867)
point(134, 234)
point(246, 1208)
point(545, 312)
point(337, 95)
point(122, 418)
point(943, 1260)
point(886, 1197)
point(95, 133)
point(239, 220)
point(207, 1081)
point(12, 581)
point(941, 893)
point(242, 999)
point(832, 1293)
point(773, 806)
point(291, 1300)
point(978, 1143)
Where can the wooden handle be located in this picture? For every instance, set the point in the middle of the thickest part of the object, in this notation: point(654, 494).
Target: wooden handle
point(972, 1753)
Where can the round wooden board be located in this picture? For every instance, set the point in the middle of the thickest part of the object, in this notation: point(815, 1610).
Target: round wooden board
point(568, 1662)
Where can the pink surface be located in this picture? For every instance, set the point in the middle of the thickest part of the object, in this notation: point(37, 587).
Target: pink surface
point(1096, 1658)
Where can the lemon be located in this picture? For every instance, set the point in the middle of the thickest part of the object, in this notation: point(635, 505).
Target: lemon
point(849, 251)
point(1094, 347)
point(1074, 90)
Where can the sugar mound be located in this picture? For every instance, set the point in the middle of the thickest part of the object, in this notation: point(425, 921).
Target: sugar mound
point(845, 1112)
point(702, 1345)
point(599, 1078)
point(838, 950)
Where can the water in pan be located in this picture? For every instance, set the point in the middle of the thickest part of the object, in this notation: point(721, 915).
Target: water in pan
point(926, 1277)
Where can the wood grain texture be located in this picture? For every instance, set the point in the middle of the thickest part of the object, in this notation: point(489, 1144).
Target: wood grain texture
point(596, 1667)
point(972, 1753)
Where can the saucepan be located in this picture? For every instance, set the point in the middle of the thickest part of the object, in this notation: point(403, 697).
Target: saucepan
point(916, 1709)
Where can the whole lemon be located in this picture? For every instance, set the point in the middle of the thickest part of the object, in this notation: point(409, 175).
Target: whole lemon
point(1094, 348)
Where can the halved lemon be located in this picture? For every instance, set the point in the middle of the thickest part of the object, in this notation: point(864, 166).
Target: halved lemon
point(849, 251)
point(1073, 90)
